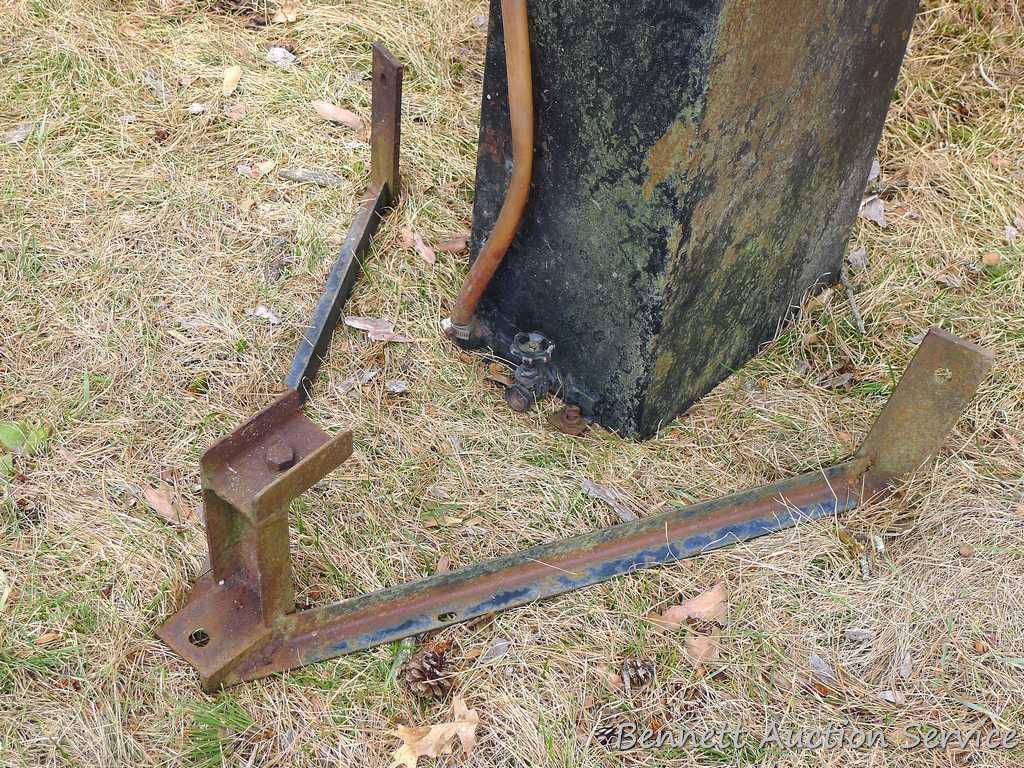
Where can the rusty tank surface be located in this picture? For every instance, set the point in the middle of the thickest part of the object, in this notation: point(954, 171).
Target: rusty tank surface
point(697, 169)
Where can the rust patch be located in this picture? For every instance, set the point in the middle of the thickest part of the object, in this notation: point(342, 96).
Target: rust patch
point(669, 156)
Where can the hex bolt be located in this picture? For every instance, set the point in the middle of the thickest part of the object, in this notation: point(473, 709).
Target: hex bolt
point(280, 456)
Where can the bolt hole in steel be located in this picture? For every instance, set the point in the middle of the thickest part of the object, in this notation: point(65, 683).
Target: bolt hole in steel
point(200, 638)
point(943, 374)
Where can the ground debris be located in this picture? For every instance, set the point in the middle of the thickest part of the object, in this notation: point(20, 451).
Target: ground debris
point(310, 176)
point(435, 740)
point(613, 497)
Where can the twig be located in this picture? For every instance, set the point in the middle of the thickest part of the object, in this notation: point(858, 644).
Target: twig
point(853, 303)
point(985, 77)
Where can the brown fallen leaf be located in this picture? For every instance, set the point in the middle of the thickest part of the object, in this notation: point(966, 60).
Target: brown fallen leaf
point(161, 503)
point(499, 374)
point(414, 241)
point(858, 259)
point(425, 251)
point(705, 614)
point(822, 671)
point(377, 328)
point(232, 76)
point(262, 169)
point(310, 176)
point(949, 280)
point(46, 638)
point(357, 380)
point(873, 209)
point(435, 740)
point(613, 497)
point(287, 12)
point(612, 679)
point(454, 244)
point(339, 115)
point(19, 133)
point(837, 382)
point(708, 606)
point(235, 112)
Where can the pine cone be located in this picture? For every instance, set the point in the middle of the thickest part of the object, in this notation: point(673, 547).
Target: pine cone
point(637, 673)
point(424, 674)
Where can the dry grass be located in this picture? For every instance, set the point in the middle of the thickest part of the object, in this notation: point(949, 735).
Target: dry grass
point(128, 266)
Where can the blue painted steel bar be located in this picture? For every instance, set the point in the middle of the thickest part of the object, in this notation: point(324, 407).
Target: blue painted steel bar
point(237, 625)
point(561, 566)
point(385, 141)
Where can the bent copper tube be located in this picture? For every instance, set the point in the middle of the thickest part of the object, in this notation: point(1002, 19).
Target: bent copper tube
point(520, 101)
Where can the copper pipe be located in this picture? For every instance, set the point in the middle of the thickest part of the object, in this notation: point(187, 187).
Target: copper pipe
point(520, 107)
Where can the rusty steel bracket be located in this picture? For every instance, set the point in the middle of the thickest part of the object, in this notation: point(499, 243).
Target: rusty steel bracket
point(385, 142)
point(239, 623)
point(249, 479)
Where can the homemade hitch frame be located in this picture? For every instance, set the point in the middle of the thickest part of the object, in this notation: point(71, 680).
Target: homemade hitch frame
point(240, 622)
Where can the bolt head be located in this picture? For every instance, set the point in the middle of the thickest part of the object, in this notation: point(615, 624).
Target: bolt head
point(280, 456)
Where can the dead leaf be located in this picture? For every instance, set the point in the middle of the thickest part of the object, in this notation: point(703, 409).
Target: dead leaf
point(156, 85)
point(443, 565)
point(396, 386)
point(46, 638)
point(19, 133)
point(707, 606)
point(377, 328)
point(287, 13)
point(858, 259)
point(263, 168)
point(612, 679)
point(499, 374)
point(232, 76)
point(425, 251)
point(876, 170)
point(855, 635)
point(161, 503)
point(454, 244)
point(357, 380)
point(435, 740)
point(700, 648)
point(896, 698)
point(266, 313)
point(235, 112)
point(613, 497)
point(906, 666)
point(497, 648)
point(339, 115)
point(705, 614)
point(280, 57)
point(413, 240)
point(873, 209)
point(1011, 233)
point(837, 382)
point(310, 176)
point(822, 670)
point(949, 280)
